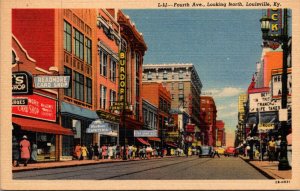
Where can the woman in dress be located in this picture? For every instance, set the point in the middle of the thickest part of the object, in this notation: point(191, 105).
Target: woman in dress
point(25, 150)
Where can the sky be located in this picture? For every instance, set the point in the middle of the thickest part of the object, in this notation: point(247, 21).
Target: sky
point(223, 45)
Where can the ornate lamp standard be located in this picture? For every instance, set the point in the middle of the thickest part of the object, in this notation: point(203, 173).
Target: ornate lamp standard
point(283, 39)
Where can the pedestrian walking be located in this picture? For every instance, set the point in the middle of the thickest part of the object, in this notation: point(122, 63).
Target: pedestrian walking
point(90, 152)
point(118, 152)
point(271, 149)
point(277, 148)
point(96, 151)
point(25, 150)
point(110, 152)
point(84, 152)
point(16, 152)
point(134, 149)
point(104, 152)
point(77, 151)
point(34, 153)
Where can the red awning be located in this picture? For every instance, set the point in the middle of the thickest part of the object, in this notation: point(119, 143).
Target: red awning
point(171, 144)
point(41, 126)
point(154, 139)
point(141, 140)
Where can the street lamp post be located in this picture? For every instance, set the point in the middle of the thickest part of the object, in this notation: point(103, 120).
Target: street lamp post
point(265, 27)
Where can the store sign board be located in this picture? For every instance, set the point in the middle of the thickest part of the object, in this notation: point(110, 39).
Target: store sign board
point(38, 107)
point(263, 102)
point(107, 116)
point(51, 82)
point(145, 133)
point(98, 126)
point(19, 101)
point(21, 83)
point(266, 126)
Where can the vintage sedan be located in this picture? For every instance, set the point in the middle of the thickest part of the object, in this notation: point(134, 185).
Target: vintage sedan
point(205, 151)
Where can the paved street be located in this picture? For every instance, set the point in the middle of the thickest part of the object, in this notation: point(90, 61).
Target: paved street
point(155, 169)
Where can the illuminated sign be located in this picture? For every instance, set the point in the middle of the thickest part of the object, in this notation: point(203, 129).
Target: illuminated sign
point(266, 126)
point(122, 77)
point(21, 83)
point(51, 81)
point(38, 107)
point(275, 22)
point(263, 102)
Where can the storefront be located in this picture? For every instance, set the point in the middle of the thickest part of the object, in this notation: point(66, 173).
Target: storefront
point(78, 119)
point(37, 120)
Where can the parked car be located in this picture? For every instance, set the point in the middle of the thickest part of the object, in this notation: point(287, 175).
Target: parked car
point(230, 151)
point(220, 150)
point(205, 151)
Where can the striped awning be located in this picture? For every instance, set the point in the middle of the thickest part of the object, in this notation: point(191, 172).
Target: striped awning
point(141, 140)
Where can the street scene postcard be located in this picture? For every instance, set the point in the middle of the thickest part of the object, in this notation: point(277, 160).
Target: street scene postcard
point(160, 95)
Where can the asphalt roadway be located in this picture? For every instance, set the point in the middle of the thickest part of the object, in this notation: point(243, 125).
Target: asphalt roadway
point(178, 168)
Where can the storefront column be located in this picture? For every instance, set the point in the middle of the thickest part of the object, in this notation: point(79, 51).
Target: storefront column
point(58, 147)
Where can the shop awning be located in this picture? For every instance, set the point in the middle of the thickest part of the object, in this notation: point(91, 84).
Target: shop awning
point(78, 111)
point(154, 139)
point(171, 144)
point(141, 140)
point(41, 126)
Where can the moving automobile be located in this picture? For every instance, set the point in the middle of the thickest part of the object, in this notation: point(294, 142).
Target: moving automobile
point(220, 150)
point(230, 151)
point(205, 151)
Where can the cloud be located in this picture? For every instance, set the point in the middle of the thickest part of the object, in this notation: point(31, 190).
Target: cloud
point(227, 114)
point(228, 106)
point(225, 92)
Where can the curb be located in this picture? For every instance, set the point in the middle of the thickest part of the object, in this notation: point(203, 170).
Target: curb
point(82, 164)
point(259, 169)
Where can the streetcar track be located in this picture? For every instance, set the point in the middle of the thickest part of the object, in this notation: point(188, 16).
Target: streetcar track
point(150, 169)
point(99, 166)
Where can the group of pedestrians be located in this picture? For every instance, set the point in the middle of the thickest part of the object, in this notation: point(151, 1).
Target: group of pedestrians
point(22, 151)
point(107, 151)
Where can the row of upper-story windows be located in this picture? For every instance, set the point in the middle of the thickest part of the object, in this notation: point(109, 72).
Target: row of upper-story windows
point(150, 119)
point(80, 87)
point(107, 61)
point(165, 75)
point(103, 97)
point(82, 48)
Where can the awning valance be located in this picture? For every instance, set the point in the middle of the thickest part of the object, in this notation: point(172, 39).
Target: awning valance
point(41, 126)
point(154, 139)
point(141, 140)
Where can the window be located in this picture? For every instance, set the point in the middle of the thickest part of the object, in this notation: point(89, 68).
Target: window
point(137, 93)
point(180, 86)
point(67, 37)
point(155, 121)
point(173, 96)
point(88, 98)
point(78, 85)
point(103, 63)
point(172, 86)
point(149, 76)
point(68, 72)
point(88, 52)
point(113, 69)
point(165, 75)
point(112, 97)
point(180, 75)
point(78, 44)
point(181, 97)
point(137, 111)
point(145, 117)
point(102, 97)
point(137, 63)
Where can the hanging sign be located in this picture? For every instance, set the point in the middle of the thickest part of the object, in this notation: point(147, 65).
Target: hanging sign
point(51, 81)
point(99, 126)
point(145, 133)
point(21, 83)
point(122, 77)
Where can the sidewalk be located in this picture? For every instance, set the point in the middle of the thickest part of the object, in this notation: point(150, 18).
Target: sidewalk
point(71, 163)
point(270, 169)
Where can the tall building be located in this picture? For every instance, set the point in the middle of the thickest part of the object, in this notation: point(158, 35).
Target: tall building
point(182, 81)
point(240, 133)
point(132, 42)
point(220, 134)
point(208, 116)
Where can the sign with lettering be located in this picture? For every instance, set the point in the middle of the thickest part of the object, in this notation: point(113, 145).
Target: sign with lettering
point(51, 81)
point(145, 133)
point(98, 126)
point(266, 126)
point(38, 107)
point(107, 116)
point(122, 77)
point(276, 21)
point(21, 83)
point(263, 102)
point(19, 101)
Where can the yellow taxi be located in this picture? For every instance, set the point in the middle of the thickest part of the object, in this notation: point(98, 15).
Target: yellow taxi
point(220, 150)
